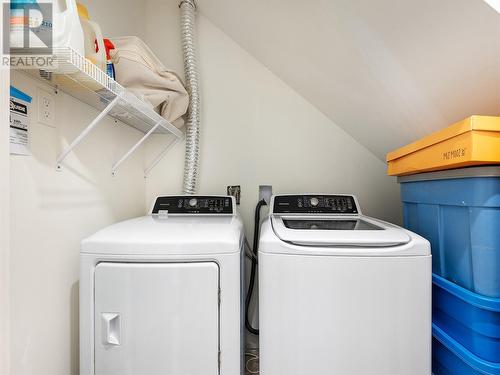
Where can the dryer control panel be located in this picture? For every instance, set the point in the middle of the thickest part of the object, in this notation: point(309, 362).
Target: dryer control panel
point(194, 204)
point(314, 204)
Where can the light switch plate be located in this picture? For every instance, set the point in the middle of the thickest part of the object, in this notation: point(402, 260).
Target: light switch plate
point(46, 108)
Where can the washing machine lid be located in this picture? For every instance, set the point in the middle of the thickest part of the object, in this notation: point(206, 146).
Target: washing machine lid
point(337, 231)
point(330, 220)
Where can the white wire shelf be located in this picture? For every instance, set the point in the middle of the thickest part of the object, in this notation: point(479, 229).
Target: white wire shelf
point(78, 77)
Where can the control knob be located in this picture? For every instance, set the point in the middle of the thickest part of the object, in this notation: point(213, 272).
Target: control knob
point(314, 201)
point(193, 202)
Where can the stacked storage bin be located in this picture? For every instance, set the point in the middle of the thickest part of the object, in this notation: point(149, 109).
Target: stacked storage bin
point(458, 211)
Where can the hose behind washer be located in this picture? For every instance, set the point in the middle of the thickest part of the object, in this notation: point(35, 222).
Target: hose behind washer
point(256, 233)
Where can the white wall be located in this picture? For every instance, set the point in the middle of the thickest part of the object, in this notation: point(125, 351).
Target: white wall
point(387, 71)
point(118, 17)
point(4, 217)
point(50, 213)
point(257, 130)
point(4, 226)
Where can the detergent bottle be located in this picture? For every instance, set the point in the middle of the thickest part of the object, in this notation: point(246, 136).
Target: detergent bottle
point(63, 23)
point(95, 50)
point(19, 24)
point(110, 68)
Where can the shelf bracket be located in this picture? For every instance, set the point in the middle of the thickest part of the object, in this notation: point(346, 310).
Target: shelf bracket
point(161, 155)
point(134, 147)
point(172, 129)
point(85, 132)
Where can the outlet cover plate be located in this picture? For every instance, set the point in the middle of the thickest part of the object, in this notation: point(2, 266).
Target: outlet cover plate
point(265, 192)
point(46, 107)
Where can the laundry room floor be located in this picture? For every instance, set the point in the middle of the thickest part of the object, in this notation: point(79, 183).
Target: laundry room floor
point(252, 361)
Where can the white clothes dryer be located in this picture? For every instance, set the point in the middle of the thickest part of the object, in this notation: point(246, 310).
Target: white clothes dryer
point(161, 294)
point(340, 292)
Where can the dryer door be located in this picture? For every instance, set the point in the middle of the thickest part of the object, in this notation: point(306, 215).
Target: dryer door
point(156, 318)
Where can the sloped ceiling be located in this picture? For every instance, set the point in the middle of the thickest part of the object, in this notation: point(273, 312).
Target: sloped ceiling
point(386, 71)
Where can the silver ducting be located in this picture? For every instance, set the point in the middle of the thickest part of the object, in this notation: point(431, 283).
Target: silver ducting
point(188, 16)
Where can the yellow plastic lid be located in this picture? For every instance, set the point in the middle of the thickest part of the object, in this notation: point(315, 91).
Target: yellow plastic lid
point(487, 123)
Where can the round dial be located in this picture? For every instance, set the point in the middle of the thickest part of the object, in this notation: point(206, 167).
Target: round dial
point(193, 202)
point(314, 201)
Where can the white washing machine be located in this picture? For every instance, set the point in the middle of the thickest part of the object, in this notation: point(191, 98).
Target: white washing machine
point(340, 292)
point(160, 294)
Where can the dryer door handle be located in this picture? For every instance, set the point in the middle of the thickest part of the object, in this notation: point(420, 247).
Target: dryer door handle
point(111, 324)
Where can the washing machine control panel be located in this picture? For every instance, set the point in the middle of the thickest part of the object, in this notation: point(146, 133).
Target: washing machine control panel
point(194, 204)
point(314, 204)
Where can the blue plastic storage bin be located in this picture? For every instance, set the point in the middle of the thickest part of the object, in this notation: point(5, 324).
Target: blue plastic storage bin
point(458, 211)
point(469, 318)
point(451, 358)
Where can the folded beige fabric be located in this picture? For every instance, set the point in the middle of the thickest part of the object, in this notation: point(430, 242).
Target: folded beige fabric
point(140, 71)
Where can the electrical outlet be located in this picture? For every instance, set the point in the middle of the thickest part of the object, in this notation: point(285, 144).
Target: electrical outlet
point(265, 192)
point(46, 108)
point(235, 191)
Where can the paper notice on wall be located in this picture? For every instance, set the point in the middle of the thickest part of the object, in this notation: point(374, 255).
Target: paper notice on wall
point(19, 122)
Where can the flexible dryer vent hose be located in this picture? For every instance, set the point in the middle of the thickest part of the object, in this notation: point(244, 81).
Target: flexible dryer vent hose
point(188, 10)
